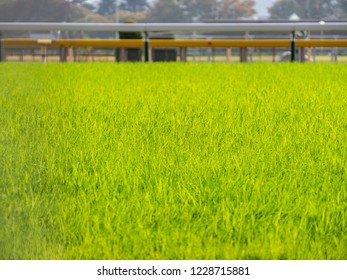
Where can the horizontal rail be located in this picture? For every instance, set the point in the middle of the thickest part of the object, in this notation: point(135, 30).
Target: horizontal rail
point(342, 43)
point(129, 43)
point(157, 43)
point(176, 27)
point(219, 43)
point(247, 43)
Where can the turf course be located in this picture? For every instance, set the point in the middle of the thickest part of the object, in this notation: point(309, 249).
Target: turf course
point(173, 161)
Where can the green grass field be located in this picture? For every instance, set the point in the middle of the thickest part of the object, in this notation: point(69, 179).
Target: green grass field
point(173, 161)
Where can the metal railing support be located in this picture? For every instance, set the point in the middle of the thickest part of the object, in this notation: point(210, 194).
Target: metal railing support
point(292, 48)
point(146, 47)
point(243, 54)
point(70, 54)
point(123, 55)
point(2, 49)
point(63, 53)
point(302, 54)
point(228, 55)
point(183, 54)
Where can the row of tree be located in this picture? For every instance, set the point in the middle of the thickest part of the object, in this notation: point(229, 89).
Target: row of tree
point(163, 10)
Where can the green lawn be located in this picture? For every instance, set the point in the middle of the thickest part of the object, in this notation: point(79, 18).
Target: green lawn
point(173, 161)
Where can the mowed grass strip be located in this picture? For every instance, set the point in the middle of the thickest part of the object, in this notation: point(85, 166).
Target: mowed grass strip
point(173, 161)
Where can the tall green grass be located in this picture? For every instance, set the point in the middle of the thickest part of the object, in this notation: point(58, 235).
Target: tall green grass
point(173, 161)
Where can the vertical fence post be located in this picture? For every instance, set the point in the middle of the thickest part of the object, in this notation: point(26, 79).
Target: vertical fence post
point(44, 53)
point(243, 54)
point(309, 54)
point(292, 48)
point(228, 55)
point(146, 47)
point(70, 54)
point(123, 55)
point(302, 55)
point(2, 49)
point(183, 54)
point(62, 53)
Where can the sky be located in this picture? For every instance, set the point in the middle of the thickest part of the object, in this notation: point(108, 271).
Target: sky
point(262, 5)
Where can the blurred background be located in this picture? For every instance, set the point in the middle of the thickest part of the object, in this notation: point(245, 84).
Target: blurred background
point(173, 11)
point(169, 10)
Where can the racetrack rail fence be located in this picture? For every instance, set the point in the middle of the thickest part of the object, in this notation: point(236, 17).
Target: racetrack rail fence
point(298, 44)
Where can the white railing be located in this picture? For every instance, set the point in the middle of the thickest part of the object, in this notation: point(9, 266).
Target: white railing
point(175, 27)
